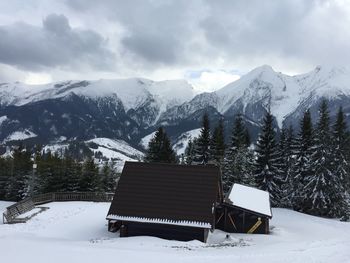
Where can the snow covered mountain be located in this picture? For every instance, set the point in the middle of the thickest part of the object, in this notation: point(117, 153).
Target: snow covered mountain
point(261, 89)
point(131, 109)
point(133, 94)
point(86, 109)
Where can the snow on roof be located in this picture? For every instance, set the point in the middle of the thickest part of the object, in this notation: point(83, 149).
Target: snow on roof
point(160, 221)
point(251, 199)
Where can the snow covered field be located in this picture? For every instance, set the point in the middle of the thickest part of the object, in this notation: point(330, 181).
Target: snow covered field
point(77, 232)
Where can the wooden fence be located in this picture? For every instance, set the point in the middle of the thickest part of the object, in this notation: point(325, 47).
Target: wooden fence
point(25, 205)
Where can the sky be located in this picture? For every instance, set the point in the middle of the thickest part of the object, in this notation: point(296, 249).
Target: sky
point(209, 43)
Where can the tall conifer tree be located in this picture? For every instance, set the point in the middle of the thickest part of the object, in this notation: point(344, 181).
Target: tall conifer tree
point(267, 163)
point(322, 187)
point(238, 160)
point(159, 149)
point(302, 167)
point(218, 144)
point(341, 160)
point(202, 147)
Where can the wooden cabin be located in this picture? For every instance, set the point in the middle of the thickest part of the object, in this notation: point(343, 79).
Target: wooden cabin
point(166, 200)
point(244, 210)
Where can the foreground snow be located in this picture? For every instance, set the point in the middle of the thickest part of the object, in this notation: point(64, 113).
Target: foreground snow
point(77, 232)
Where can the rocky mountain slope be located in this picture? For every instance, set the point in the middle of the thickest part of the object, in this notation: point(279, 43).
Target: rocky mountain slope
point(131, 109)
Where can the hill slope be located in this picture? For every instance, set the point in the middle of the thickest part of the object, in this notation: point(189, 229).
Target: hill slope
point(64, 232)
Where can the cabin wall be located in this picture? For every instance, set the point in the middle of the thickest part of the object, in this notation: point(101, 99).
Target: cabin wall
point(234, 220)
point(171, 232)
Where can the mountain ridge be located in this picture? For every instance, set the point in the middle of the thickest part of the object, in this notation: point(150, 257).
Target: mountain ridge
point(130, 109)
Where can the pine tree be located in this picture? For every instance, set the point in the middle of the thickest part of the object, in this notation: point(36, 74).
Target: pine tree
point(218, 144)
point(71, 177)
point(159, 149)
point(32, 186)
point(90, 180)
point(302, 167)
point(4, 176)
point(267, 164)
point(20, 168)
point(322, 188)
point(108, 178)
point(341, 143)
point(287, 150)
point(189, 151)
point(202, 146)
point(237, 166)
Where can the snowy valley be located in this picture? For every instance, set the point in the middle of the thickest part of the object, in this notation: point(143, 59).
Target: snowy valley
point(64, 231)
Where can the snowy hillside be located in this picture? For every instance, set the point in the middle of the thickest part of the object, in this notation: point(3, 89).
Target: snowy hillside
point(179, 145)
point(182, 141)
point(104, 149)
point(64, 231)
point(117, 151)
point(20, 136)
point(145, 140)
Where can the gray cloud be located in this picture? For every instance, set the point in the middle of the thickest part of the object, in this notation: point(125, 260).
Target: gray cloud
point(147, 36)
point(157, 32)
point(181, 32)
point(55, 44)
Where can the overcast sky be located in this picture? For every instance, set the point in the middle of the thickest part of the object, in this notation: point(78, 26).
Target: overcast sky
point(208, 42)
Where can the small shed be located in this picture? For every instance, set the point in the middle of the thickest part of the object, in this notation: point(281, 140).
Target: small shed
point(244, 210)
point(166, 200)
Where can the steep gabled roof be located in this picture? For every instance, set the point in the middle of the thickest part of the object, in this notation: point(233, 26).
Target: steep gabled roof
point(250, 198)
point(166, 194)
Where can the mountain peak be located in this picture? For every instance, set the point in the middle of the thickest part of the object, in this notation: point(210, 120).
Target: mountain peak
point(263, 68)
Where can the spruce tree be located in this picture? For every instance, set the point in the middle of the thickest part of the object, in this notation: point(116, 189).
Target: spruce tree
point(189, 151)
point(287, 150)
point(341, 139)
point(322, 190)
point(90, 180)
point(237, 167)
point(159, 149)
point(202, 146)
point(302, 167)
point(108, 178)
point(267, 163)
point(4, 176)
point(218, 144)
point(341, 143)
point(20, 169)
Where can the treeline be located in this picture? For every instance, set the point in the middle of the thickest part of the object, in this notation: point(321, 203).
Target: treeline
point(307, 170)
point(29, 173)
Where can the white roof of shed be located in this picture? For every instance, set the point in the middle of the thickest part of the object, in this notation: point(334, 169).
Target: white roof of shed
point(251, 199)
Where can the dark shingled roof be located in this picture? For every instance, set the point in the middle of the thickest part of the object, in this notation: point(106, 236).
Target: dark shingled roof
point(167, 191)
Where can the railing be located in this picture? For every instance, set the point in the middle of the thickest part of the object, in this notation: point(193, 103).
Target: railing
point(29, 203)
